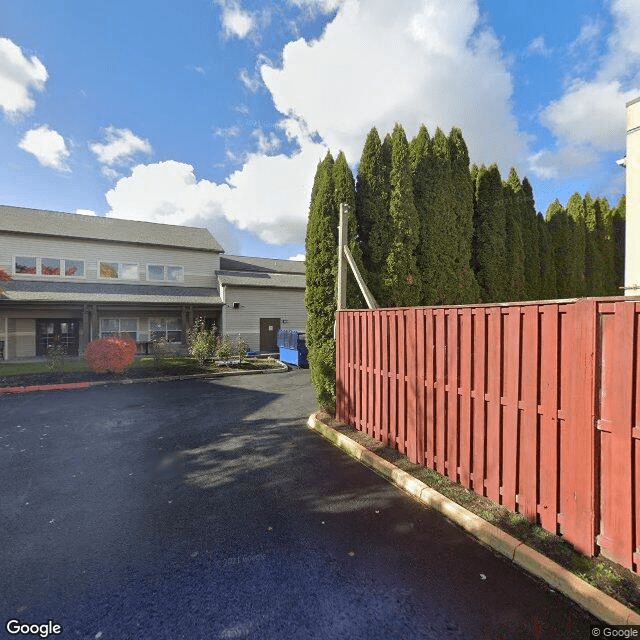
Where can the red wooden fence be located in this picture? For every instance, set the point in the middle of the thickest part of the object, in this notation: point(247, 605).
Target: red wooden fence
point(534, 405)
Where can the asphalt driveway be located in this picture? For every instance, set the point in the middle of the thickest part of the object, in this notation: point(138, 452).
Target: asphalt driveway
point(207, 509)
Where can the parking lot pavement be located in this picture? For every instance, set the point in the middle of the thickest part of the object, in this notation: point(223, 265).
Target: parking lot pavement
point(207, 509)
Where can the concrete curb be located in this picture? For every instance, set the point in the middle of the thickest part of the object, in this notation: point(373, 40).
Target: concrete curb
point(85, 385)
point(589, 597)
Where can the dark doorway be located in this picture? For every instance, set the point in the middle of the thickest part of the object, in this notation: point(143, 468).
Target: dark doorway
point(52, 331)
point(269, 328)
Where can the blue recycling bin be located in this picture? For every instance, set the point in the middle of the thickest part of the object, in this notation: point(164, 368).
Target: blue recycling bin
point(293, 348)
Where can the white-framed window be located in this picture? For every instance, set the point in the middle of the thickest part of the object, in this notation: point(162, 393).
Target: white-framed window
point(117, 270)
point(32, 265)
point(168, 328)
point(164, 273)
point(126, 327)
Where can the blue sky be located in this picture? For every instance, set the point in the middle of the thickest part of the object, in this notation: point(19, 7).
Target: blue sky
point(216, 112)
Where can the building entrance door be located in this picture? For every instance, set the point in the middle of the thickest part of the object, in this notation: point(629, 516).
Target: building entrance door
point(53, 331)
point(269, 328)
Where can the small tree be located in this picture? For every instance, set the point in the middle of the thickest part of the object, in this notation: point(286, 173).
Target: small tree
point(224, 348)
point(241, 348)
point(56, 355)
point(202, 341)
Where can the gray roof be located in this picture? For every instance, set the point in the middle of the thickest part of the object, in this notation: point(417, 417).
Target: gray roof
point(72, 225)
point(262, 279)
point(268, 265)
point(35, 291)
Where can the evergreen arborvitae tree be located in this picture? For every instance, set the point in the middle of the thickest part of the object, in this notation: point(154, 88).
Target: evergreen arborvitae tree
point(578, 245)
point(548, 287)
point(514, 206)
point(530, 230)
point(595, 268)
point(618, 230)
point(439, 279)
point(607, 248)
point(420, 152)
point(465, 287)
point(561, 238)
point(490, 236)
point(345, 193)
point(320, 293)
point(401, 282)
point(372, 216)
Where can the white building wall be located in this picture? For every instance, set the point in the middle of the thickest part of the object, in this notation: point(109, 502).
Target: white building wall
point(632, 252)
point(261, 302)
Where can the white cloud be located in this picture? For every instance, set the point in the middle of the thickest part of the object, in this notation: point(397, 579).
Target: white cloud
point(590, 113)
point(119, 149)
point(252, 83)
point(317, 6)
point(266, 143)
point(18, 75)
point(227, 132)
point(299, 257)
point(48, 146)
point(437, 60)
point(236, 22)
point(589, 117)
point(86, 212)
point(268, 196)
point(539, 46)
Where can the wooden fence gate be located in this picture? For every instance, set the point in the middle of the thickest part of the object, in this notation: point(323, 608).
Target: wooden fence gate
point(534, 405)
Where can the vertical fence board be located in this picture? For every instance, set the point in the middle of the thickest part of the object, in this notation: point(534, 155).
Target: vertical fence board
point(494, 409)
point(401, 435)
point(412, 375)
point(452, 395)
point(440, 410)
point(393, 378)
point(578, 453)
point(528, 477)
point(635, 474)
point(371, 342)
point(384, 341)
point(377, 366)
point(616, 501)
point(431, 389)
point(465, 397)
point(548, 460)
point(511, 391)
point(420, 332)
point(479, 404)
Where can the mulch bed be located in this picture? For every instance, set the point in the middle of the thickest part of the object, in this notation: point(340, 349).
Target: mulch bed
point(133, 373)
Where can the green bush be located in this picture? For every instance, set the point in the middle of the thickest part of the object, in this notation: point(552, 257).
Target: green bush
point(224, 348)
point(202, 341)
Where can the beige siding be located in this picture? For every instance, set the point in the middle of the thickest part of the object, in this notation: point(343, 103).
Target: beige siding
point(256, 303)
point(199, 266)
point(22, 338)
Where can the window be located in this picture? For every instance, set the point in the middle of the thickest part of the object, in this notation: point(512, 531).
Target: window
point(49, 266)
point(156, 272)
point(170, 329)
point(74, 268)
point(161, 273)
point(119, 270)
point(125, 327)
point(26, 265)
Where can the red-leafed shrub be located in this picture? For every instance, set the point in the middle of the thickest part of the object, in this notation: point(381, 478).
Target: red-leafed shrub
point(110, 354)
